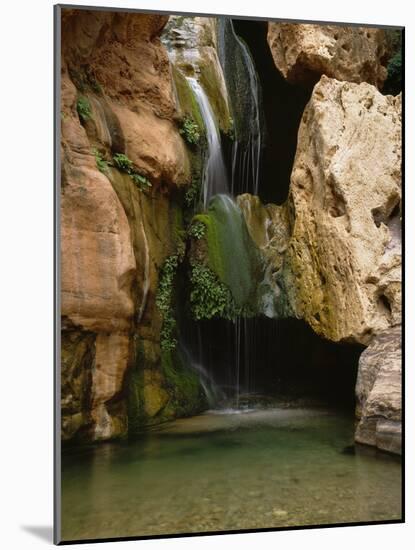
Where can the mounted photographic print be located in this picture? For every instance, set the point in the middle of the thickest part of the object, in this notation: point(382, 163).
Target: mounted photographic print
point(229, 210)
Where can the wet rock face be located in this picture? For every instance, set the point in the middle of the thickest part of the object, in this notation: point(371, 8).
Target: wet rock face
point(379, 394)
point(111, 252)
point(345, 252)
point(192, 46)
point(304, 52)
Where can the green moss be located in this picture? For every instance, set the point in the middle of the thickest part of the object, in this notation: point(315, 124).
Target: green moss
point(212, 237)
point(84, 109)
point(183, 385)
point(231, 253)
point(135, 402)
point(171, 380)
point(187, 99)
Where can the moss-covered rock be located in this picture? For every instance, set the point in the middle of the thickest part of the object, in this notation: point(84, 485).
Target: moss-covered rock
point(161, 391)
point(229, 251)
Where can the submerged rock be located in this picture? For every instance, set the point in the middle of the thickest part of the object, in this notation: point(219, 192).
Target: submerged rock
point(304, 52)
point(379, 393)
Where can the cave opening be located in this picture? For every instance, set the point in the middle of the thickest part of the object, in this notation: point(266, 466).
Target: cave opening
point(276, 359)
point(283, 106)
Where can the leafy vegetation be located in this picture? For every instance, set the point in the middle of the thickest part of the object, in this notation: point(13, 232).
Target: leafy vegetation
point(141, 181)
point(197, 230)
point(84, 109)
point(193, 192)
point(190, 131)
point(123, 163)
point(164, 302)
point(393, 83)
point(209, 297)
point(102, 164)
point(84, 79)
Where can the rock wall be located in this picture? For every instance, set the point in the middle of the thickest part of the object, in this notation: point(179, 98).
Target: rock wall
point(345, 194)
point(116, 99)
point(379, 394)
point(192, 47)
point(304, 52)
point(332, 252)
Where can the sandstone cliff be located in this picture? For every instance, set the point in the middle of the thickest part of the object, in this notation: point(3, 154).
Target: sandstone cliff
point(123, 161)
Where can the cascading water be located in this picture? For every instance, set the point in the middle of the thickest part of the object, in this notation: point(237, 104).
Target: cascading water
point(238, 264)
point(214, 178)
point(244, 91)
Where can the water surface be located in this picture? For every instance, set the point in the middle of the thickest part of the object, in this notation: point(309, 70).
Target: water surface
point(228, 470)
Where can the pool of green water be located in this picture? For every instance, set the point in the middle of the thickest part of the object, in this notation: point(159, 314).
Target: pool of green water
point(228, 470)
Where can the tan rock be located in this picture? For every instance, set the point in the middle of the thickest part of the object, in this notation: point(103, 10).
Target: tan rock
point(304, 52)
point(379, 393)
point(155, 146)
point(345, 254)
point(193, 50)
point(112, 242)
point(155, 395)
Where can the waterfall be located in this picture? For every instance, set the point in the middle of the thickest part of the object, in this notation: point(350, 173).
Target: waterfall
point(232, 363)
point(245, 93)
point(214, 176)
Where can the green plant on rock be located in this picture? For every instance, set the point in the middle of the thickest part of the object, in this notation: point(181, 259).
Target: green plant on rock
point(183, 385)
point(197, 230)
point(123, 163)
point(209, 297)
point(193, 192)
point(141, 181)
point(393, 83)
point(164, 302)
point(84, 109)
point(102, 164)
point(190, 131)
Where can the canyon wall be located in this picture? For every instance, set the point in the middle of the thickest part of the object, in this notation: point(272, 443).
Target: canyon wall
point(124, 165)
point(333, 250)
point(132, 145)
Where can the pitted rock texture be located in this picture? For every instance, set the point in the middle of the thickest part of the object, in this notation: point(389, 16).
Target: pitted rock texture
point(304, 52)
point(379, 393)
point(344, 257)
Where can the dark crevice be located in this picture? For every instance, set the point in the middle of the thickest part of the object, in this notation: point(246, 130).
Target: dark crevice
point(283, 106)
point(283, 359)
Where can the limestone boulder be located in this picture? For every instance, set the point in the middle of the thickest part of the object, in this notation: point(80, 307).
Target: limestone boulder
point(343, 263)
point(304, 52)
point(379, 393)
